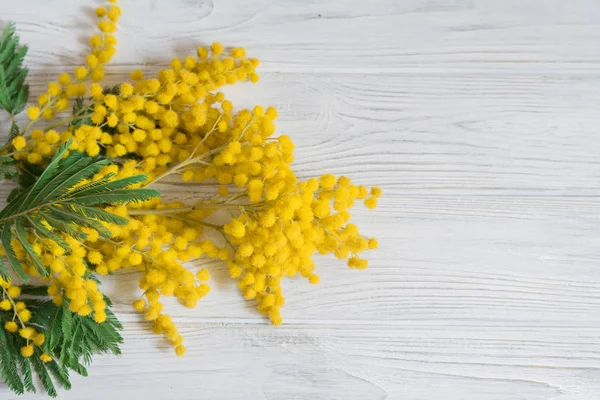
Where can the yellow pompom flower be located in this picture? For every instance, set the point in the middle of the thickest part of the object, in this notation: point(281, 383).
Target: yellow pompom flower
point(19, 142)
point(80, 73)
point(45, 358)
point(217, 48)
point(139, 305)
point(39, 339)
point(14, 291)
point(373, 244)
point(114, 13)
point(180, 350)
point(137, 75)
point(95, 257)
point(139, 135)
point(96, 91)
point(135, 258)
point(92, 149)
point(52, 137)
point(100, 316)
point(371, 202)
point(54, 89)
point(97, 74)
point(111, 101)
point(11, 326)
point(180, 243)
point(112, 121)
point(235, 228)
point(33, 112)
point(48, 113)
point(126, 89)
point(5, 305)
point(34, 158)
point(203, 275)
point(238, 52)
point(170, 118)
point(92, 61)
point(27, 351)
point(64, 79)
point(62, 104)
point(27, 333)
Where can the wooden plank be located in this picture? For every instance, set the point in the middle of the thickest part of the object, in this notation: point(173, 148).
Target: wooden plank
point(458, 361)
point(411, 134)
point(539, 37)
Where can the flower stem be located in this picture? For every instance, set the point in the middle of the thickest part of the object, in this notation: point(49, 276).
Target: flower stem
point(176, 168)
point(66, 120)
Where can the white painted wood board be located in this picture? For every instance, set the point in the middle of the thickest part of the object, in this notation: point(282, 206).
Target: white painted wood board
point(479, 119)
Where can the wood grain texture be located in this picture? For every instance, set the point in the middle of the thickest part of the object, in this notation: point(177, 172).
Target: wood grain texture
point(479, 118)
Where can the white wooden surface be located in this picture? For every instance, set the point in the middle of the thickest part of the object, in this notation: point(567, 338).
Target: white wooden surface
point(479, 118)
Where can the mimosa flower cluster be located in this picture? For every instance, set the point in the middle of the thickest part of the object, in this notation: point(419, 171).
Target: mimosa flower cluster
point(259, 218)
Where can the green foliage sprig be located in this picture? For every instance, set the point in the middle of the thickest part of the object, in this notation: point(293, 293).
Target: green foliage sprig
point(71, 340)
point(49, 203)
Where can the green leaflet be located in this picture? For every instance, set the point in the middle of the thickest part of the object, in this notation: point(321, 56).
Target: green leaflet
point(64, 227)
point(42, 373)
point(76, 219)
point(56, 238)
point(97, 213)
point(10, 252)
point(13, 90)
point(33, 257)
point(60, 373)
point(110, 186)
point(28, 197)
point(118, 197)
point(4, 271)
point(7, 168)
point(8, 366)
point(26, 373)
point(67, 320)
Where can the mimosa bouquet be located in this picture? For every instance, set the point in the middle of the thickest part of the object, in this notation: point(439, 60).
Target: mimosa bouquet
point(84, 165)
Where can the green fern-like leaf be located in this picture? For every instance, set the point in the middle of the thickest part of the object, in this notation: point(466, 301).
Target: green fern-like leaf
point(25, 368)
point(7, 237)
point(60, 373)
point(97, 213)
point(79, 220)
point(13, 89)
point(71, 340)
point(53, 205)
point(42, 373)
point(8, 366)
point(67, 320)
